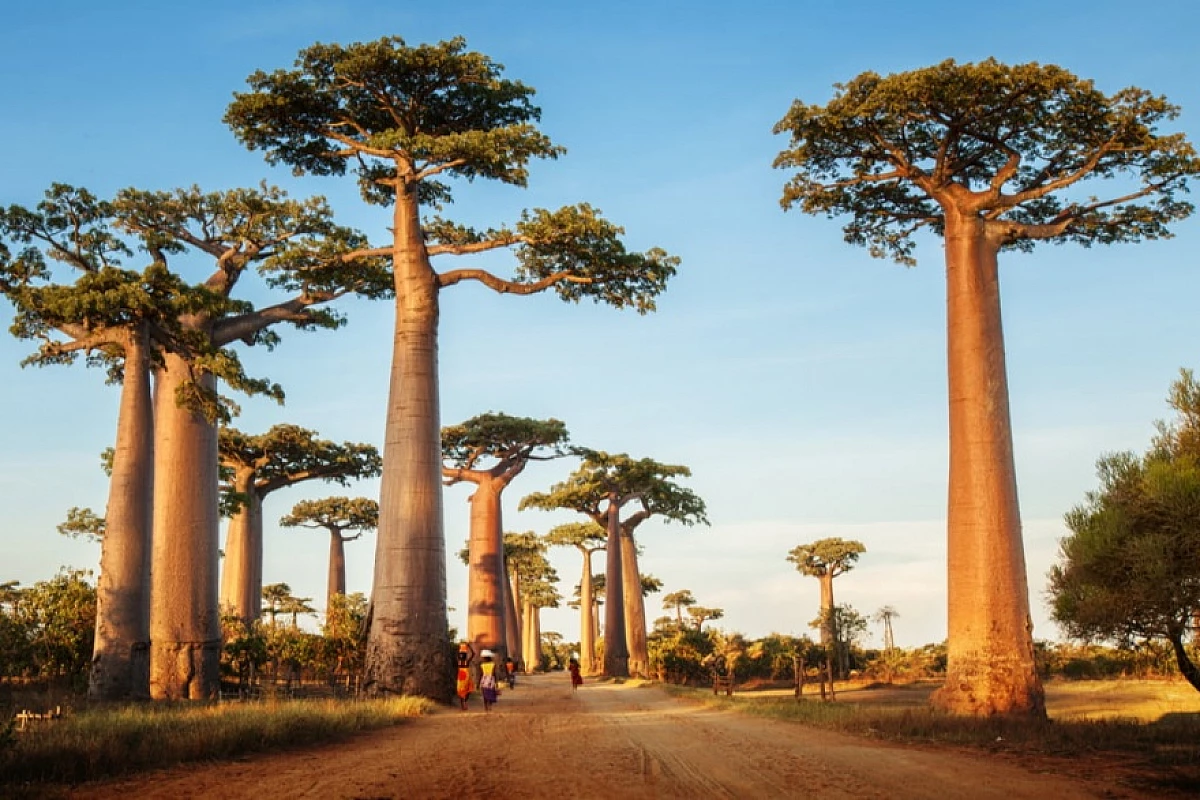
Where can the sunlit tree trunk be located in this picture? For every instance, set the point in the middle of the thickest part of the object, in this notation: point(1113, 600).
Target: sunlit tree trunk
point(512, 617)
point(408, 644)
point(990, 667)
point(635, 609)
point(587, 635)
point(616, 652)
point(120, 659)
point(529, 650)
point(827, 635)
point(185, 630)
point(486, 579)
point(337, 568)
point(241, 572)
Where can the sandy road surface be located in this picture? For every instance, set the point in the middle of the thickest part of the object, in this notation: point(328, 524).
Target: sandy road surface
point(605, 741)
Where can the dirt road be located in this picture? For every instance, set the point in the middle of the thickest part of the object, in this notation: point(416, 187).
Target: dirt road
point(605, 741)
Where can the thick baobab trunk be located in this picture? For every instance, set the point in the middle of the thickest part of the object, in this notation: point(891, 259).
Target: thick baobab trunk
point(408, 642)
point(121, 657)
point(635, 609)
point(990, 668)
point(616, 652)
point(827, 620)
point(185, 629)
point(337, 568)
point(587, 636)
point(485, 587)
point(512, 616)
point(530, 652)
point(241, 574)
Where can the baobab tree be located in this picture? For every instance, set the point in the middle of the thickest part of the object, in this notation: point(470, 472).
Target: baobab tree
point(990, 157)
point(524, 554)
point(299, 250)
point(121, 319)
point(257, 466)
point(885, 615)
point(587, 538)
point(824, 560)
point(536, 593)
point(337, 515)
point(701, 614)
point(406, 119)
point(533, 577)
point(679, 601)
point(599, 488)
point(489, 451)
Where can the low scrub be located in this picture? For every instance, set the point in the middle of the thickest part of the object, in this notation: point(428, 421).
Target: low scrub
point(104, 742)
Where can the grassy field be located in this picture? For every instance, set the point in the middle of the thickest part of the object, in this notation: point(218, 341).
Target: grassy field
point(111, 741)
point(1147, 731)
point(1139, 700)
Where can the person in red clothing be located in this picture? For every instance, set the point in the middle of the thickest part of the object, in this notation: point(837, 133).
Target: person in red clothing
point(576, 678)
point(463, 683)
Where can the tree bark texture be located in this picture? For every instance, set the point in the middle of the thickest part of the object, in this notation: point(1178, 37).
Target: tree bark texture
point(512, 617)
point(185, 630)
point(529, 651)
point(587, 636)
point(635, 609)
point(408, 642)
point(121, 656)
point(485, 577)
point(826, 579)
point(990, 669)
point(241, 574)
point(616, 651)
point(337, 568)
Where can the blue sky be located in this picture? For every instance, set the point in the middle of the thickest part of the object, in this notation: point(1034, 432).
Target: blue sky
point(802, 381)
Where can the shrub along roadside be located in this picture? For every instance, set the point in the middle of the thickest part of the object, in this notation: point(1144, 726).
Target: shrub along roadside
point(106, 742)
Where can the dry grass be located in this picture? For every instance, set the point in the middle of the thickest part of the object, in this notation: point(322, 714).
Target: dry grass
point(111, 741)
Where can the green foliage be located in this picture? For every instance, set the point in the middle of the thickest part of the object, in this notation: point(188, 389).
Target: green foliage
point(410, 117)
point(1018, 144)
point(832, 556)
point(652, 485)
point(1129, 572)
point(434, 108)
point(82, 522)
point(345, 632)
point(335, 514)
point(47, 630)
point(500, 443)
point(288, 454)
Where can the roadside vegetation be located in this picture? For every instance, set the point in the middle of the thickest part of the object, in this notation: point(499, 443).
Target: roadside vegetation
point(108, 741)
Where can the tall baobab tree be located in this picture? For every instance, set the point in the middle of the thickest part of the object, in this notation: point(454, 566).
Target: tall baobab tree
point(299, 250)
point(825, 559)
point(990, 157)
point(524, 554)
point(599, 488)
point(587, 538)
point(120, 319)
point(337, 515)
point(885, 615)
point(259, 465)
point(406, 119)
point(489, 451)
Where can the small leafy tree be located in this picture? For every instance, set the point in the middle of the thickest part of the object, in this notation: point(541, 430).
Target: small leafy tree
point(1129, 571)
